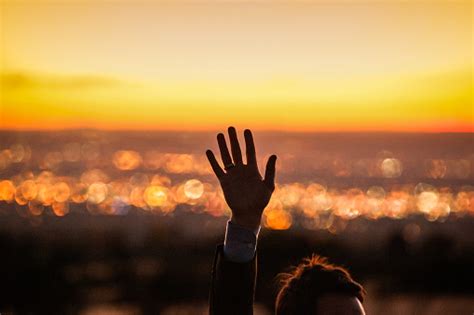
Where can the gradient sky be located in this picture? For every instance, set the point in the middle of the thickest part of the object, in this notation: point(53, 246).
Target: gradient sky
point(312, 66)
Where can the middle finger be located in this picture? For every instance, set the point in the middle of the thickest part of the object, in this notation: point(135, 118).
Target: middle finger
point(225, 156)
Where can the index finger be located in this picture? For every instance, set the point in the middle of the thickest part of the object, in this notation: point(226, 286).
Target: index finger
point(214, 164)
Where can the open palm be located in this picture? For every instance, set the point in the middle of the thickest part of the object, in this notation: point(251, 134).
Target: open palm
point(246, 193)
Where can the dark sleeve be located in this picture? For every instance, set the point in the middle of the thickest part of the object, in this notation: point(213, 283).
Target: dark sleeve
point(232, 286)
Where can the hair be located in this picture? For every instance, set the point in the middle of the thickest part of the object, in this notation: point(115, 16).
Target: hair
point(313, 278)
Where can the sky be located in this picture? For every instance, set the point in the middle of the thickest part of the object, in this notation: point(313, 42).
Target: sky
point(204, 65)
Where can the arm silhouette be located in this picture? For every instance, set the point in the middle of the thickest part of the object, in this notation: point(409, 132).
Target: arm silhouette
point(247, 194)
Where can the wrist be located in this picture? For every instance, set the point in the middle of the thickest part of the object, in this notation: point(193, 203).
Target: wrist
point(240, 243)
point(250, 222)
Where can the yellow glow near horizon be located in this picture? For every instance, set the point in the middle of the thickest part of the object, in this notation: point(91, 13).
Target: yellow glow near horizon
point(313, 66)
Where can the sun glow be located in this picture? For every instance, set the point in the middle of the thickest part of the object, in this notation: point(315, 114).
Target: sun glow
point(204, 65)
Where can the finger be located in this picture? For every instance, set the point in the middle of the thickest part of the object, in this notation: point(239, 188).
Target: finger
point(214, 164)
point(250, 148)
point(270, 172)
point(225, 156)
point(235, 147)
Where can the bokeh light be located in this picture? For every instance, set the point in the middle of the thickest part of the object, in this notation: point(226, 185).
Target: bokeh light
point(277, 219)
point(7, 190)
point(72, 152)
point(160, 182)
point(155, 196)
point(29, 189)
point(60, 209)
point(36, 208)
point(61, 192)
point(193, 189)
point(97, 192)
point(391, 168)
point(126, 160)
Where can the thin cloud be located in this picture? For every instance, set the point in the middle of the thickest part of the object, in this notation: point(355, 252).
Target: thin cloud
point(18, 80)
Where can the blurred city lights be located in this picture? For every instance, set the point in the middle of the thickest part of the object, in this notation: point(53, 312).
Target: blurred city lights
point(277, 219)
point(156, 196)
point(97, 192)
point(61, 192)
point(72, 152)
point(126, 160)
point(158, 182)
point(60, 208)
point(193, 189)
point(7, 190)
point(391, 168)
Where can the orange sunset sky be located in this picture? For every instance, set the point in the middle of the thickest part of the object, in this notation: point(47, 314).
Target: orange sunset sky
point(203, 65)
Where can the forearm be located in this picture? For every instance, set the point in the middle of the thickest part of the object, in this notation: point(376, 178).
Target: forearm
point(233, 286)
point(234, 272)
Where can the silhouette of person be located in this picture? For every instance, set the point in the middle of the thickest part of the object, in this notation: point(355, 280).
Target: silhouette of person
point(313, 287)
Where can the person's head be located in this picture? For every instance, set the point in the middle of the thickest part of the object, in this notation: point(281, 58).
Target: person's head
point(316, 287)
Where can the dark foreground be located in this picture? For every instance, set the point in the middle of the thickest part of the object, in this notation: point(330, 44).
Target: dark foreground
point(149, 264)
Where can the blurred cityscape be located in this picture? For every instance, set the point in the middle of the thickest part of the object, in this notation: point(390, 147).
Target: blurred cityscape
point(97, 222)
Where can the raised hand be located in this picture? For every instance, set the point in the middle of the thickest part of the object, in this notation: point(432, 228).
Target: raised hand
point(246, 193)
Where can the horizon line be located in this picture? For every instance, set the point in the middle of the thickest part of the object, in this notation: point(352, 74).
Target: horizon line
point(131, 130)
